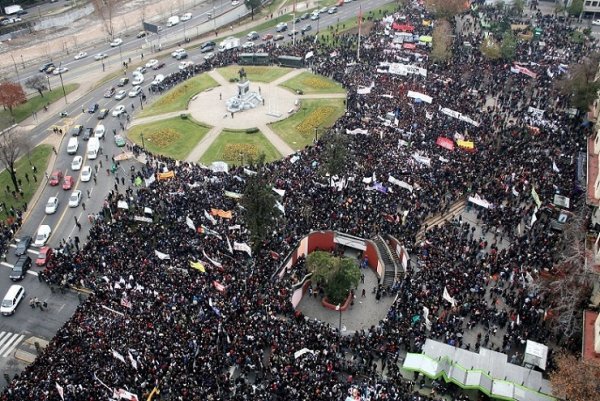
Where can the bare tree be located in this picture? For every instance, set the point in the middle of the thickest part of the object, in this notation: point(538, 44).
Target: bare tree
point(39, 82)
point(105, 9)
point(574, 379)
point(442, 41)
point(445, 8)
point(13, 145)
point(580, 83)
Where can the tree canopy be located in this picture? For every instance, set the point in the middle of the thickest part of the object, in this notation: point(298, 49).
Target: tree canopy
point(574, 379)
point(37, 82)
point(11, 95)
point(337, 275)
point(580, 83)
point(442, 41)
point(445, 8)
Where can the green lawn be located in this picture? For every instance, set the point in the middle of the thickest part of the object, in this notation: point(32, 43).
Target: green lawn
point(230, 144)
point(37, 103)
point(173, 137)
point(38, 157)
point(178, 97)
point(254, 73)
point(299, 130)
point(310, 83)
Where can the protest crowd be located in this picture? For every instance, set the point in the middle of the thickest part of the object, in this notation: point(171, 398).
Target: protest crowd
point(177, 311)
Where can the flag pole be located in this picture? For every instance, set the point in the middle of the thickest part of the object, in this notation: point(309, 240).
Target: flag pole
point(359, 26)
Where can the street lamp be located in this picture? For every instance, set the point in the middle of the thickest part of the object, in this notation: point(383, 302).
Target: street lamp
point(141, 103)
point(22, 61)
point(16, 69)
point(49, 87)
point(143, 145)
point(316, 131)
point(339, 309)
point(62, 83)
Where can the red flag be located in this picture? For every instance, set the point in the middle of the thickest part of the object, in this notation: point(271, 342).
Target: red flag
point(220, 287)
point(274, 255)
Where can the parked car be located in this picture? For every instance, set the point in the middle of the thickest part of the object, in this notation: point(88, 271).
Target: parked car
point(282, 26)
point(50, 69)
point(176, 52)
point(135, 91)
point(101, 114)
point(185, 64)
point(99, 131)
point(86, 173)
point(323, 10)
point(305, 16)
point(141, 69)
point(117, 111)
point(55, 178)
point(22, 245)
point(110, 92)
point(293, 33)
point(20, 268)
point(80, 55)
point(141, 34)
point(306, 28)
point(208, 47)
point(76, 163)
point(248, 45)
point(51, 205)
point(75, 198)
point(314, 16)
point(100, 56)
point(76, 130)
point(123, 81)
point(252, 35)
point(596, 22)
point(68, 183)
point(44, 256)
point(332, 10)
point(42, 235)
point(209, 56)
point(92, 108)
point(268, 36)
point(116, 42)
point(11, 300)
point(138, 79)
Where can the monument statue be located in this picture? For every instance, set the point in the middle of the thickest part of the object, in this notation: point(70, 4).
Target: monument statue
point(245, 98)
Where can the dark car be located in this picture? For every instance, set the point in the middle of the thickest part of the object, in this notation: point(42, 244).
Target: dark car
point(102, 113)
point(306, 28)
point(305, 16)
point(158, 66)
point(208, 47)
point(20, 268)
point(123, 82)
point(141, 34)
point(22, 245)
point(89, 132)
point(93, 108)
point(44, 67)
point(76, 130)
point(21, 12)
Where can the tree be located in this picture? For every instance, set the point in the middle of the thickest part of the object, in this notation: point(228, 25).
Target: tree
point(445, 8)
point(259, 205)
point(337, 275)
point(37, 82)
point(574, 379)
point(105, 10)
point(517, 7)
point(576, 8)
point(252, 5)
point(11, 95)
point(580, 83)
point(336, 153)
point(508, 47)
point(12, 146)
point(490, 49)
point(442, 41)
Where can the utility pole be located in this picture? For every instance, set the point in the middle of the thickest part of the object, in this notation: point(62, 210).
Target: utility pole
point(16, 69)
point(62, 83)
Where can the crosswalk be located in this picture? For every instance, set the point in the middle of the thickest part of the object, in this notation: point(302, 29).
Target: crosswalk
point(8, 342)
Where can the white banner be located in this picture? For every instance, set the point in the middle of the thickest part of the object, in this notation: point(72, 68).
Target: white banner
point(365, 90)
point(219, 167)
point(280, 192)
point(242, 247)
point(212, 261)
point(249, 172)
point(150, 180)
point(303, 351)
point(422, 159)
point(480, 201)
point(401, 69)
point(400, 183)
point(190, 223)
point(162, 256)
point(421, 96)
point(210, 218)
point(459, 116)
point(357, 131)
point(447, 297)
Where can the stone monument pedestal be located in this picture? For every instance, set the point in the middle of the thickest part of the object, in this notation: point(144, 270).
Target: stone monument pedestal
point(245, 98)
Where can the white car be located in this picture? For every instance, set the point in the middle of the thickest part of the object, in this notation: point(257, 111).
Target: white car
point(135, 91)
point(186, 17)
point(60, 70)
point(52, 205)
point(121, 94)
point(151, 63)
point(248, 45)
point(176, 52)
point(76, 163)
point(75, 198)
point(596, 22)
point(137, 79)
point(116, 42)
point(117, 111)
point(158, 79)
point(185, 64)
point(323, 10)
point(80, 55)
point(42, 235)
point(209, 56)
point(235, 2)
point(140, 70)
point(100, 56)
point(332, 10)
point(86, 174)
point(99, 131)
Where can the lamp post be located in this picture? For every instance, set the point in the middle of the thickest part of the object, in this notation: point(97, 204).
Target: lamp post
point(49, 87)
point(62, 83)
point(16, 69)
point(339, 309)
point(316, 131)
point(22, 61)
point(141, 103)
point(142, 137)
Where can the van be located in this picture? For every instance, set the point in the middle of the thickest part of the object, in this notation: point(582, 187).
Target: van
point(72, 146)
point(11, 300)
point(172, 21)
point(92, 148)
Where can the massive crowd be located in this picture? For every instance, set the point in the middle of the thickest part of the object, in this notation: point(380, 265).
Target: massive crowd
point(230, 332)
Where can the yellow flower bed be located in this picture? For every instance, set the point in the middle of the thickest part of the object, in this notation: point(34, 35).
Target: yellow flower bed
point(173, 95)
point(317, 83)
point(164, 137)
point(233, 151)
point(314, 119)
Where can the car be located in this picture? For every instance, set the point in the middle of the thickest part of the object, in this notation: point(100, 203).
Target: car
point(596, 22)
point(21, 12)
point(323, 10)
point(235, 3)
point(248, 45)
point(92, 108)
point(117, 111)
point(51, 205)
point(347, 1)
point(76, 163)
point(102, 113)
point(42, 236)
point(55, 178)
point(68, 183)
point(43, 256)
point(86, 174)
point(209, 56)
point(45, 66)
point(158, 79)
point(158, 66)
point(208, 47)
point(141, 69)
point(11, 300)
point(100, 56)
point(185, 64)
point(87, 134)
point(50, 69)
point(121, 94)
point(75, 198)
point(80, 55)
point(22, 245)
point(76, 130)
point(181, 55)
point(252, 35)
point(314, 16)
point(116, 42)
point(332, 10)
point(110, 92)
point(293, 33)
point(282, 26)
point(186, 17)
point(268, 36)
point(135, 91)
point(20, 268)
point(119, 141)
point(141, 34)
point(122, 82)
point(151, 63)
point(137, 79)
point(60, 70)
point(99, 131)
point(306, 28)
point(305, 16)
point(176, 52)
point(278, 37)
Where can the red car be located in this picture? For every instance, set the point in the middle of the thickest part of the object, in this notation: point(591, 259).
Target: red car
point(69, 181)
point(44, 256)
point(268, 36)
point(55, 178)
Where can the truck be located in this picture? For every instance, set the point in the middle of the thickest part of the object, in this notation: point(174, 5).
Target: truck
point(172, 21)
point(14, 9)
point(229, 43)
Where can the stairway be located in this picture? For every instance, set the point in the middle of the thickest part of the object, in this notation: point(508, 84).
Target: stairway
point(439, 219)
point(387, 258)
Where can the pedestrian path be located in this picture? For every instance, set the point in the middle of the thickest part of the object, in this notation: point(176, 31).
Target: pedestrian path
point(287, 76)
point(203, 145)
point(8, 342)
point(276, 140)
point(158, 117)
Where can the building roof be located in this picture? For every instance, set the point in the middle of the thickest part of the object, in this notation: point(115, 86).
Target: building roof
point(588, 351)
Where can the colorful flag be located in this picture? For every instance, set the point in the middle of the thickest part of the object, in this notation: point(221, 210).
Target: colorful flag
point(210, 218)
point(220, 287)
point(226, 214)
point(126, 303)
point(198, 266)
